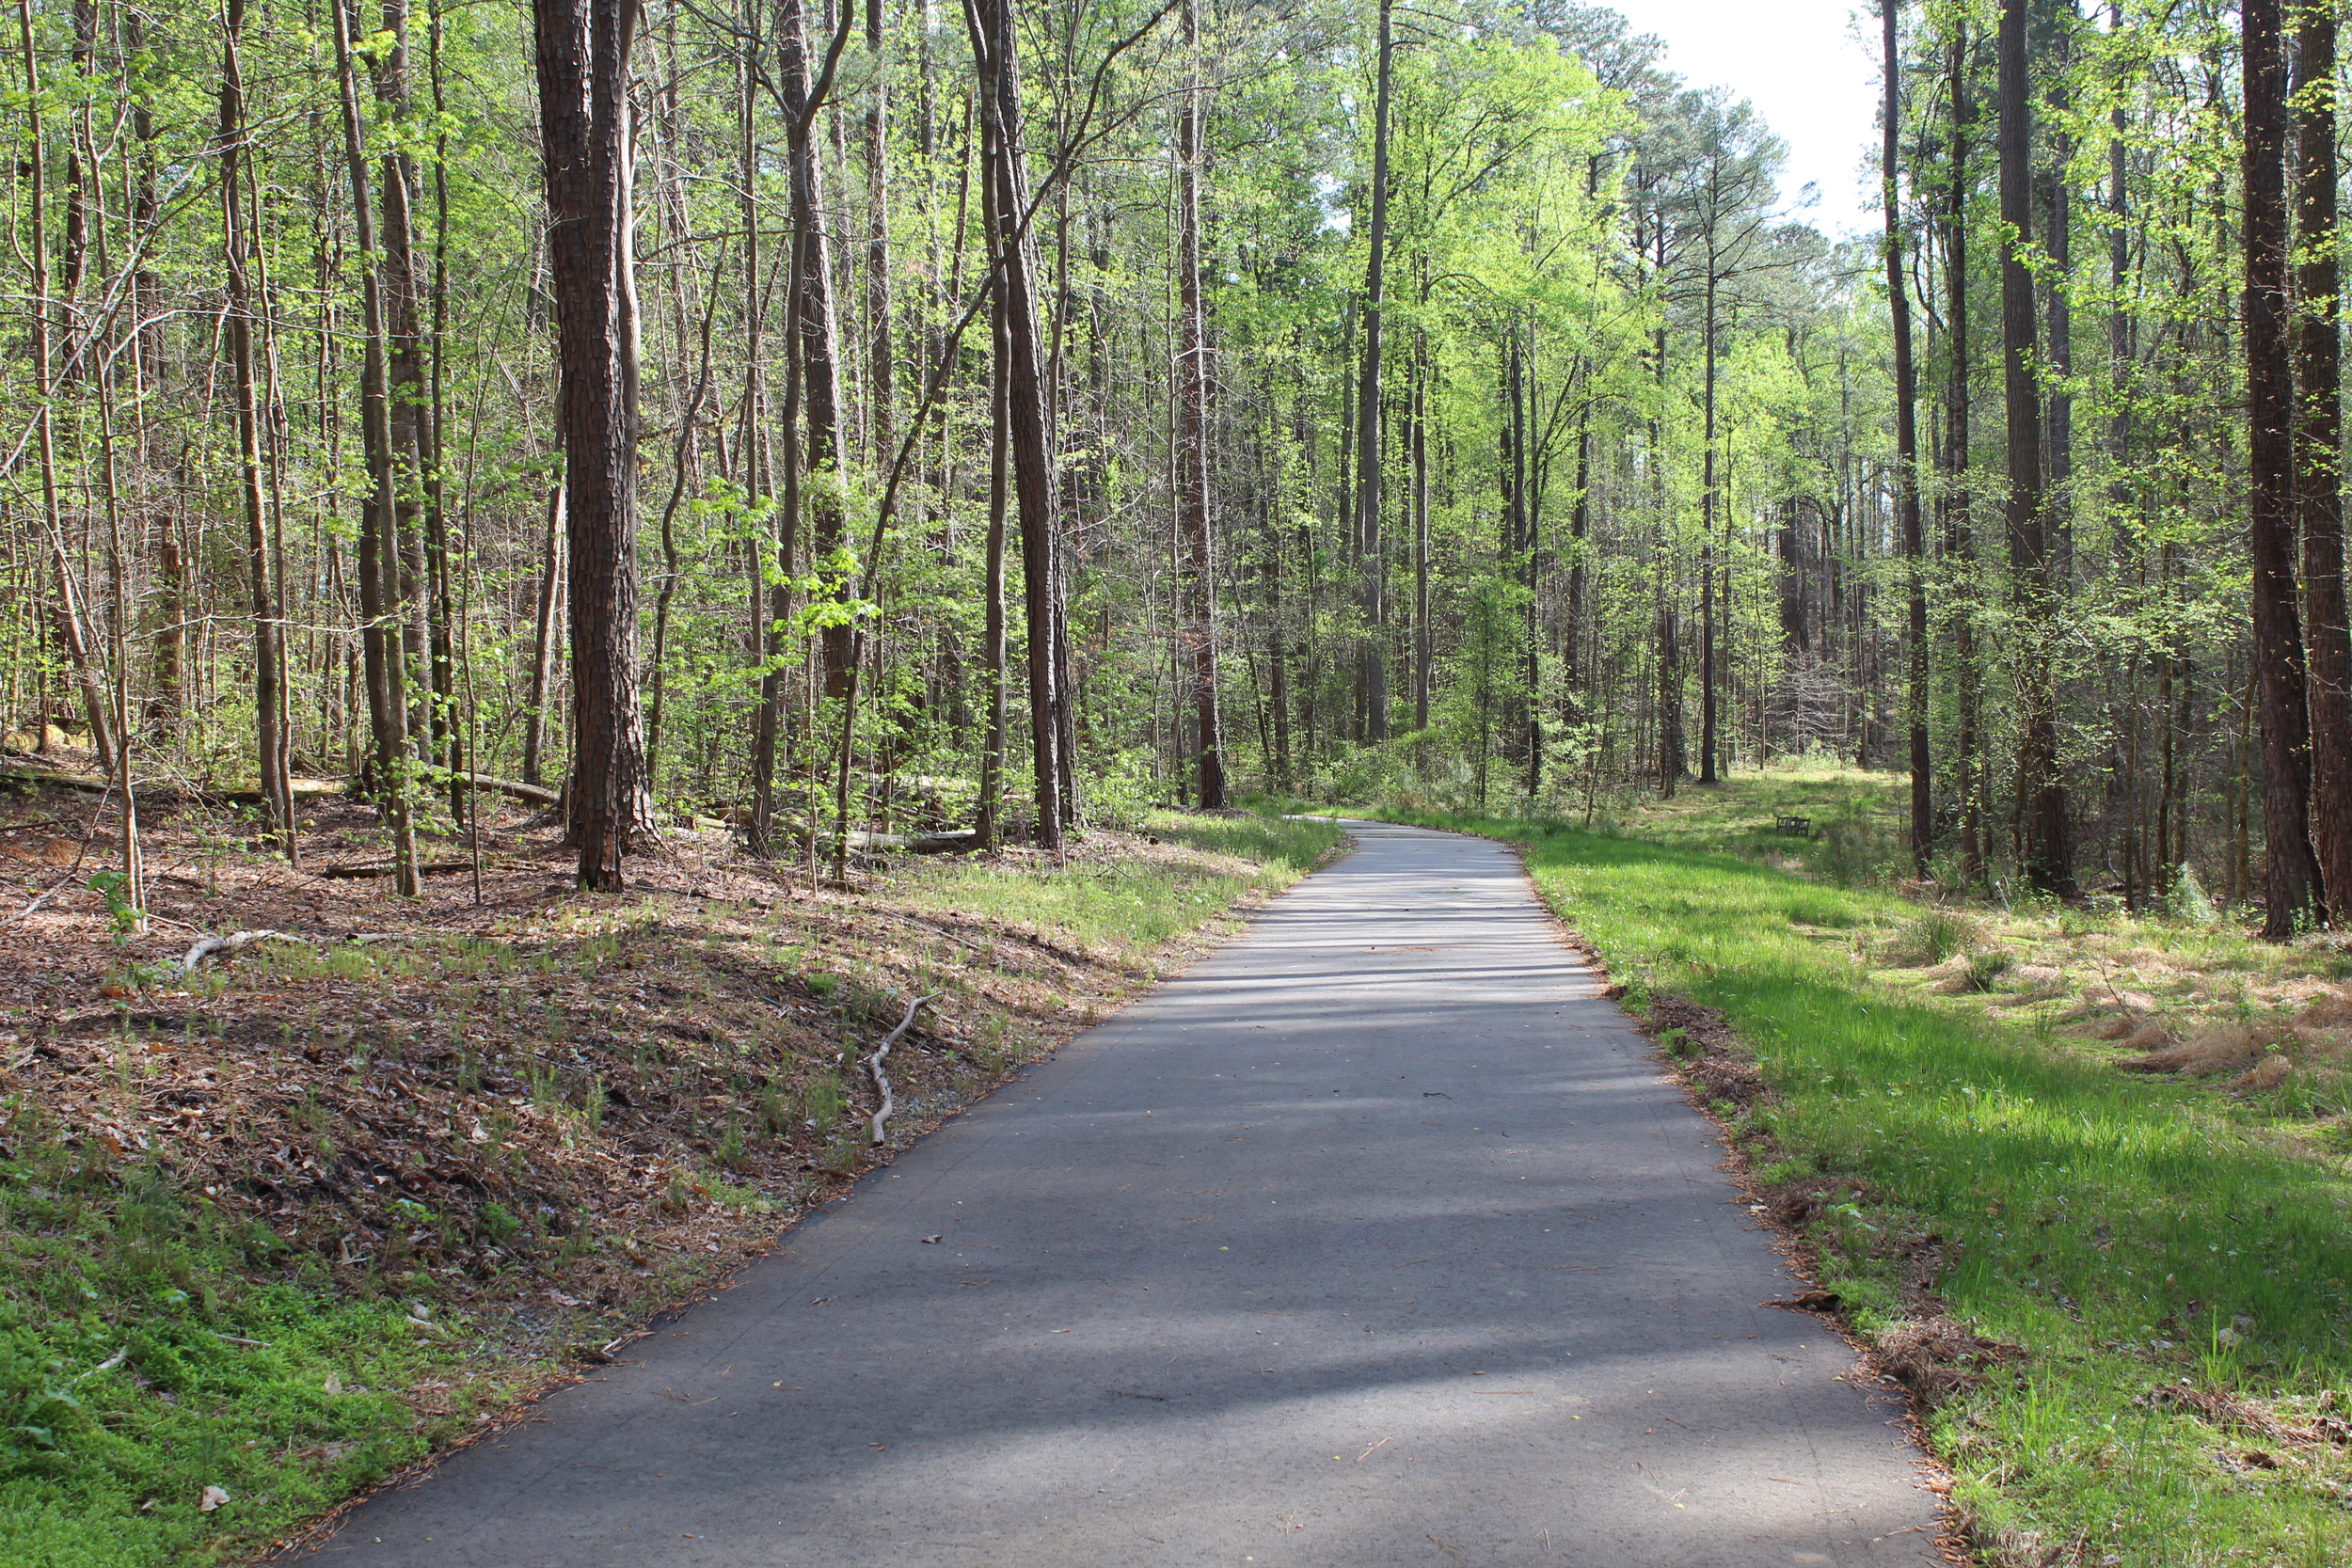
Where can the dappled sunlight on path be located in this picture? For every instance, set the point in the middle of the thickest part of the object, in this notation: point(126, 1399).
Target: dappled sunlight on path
point(1376, 1237)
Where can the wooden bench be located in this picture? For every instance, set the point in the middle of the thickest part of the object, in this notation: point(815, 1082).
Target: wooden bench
point(1799, 826)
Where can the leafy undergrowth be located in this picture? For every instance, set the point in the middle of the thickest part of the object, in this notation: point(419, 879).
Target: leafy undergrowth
point(2175, 1278)
point(273, 1229)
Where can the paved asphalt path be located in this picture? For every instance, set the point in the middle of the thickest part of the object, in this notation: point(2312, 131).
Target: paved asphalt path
point(1374, 1238)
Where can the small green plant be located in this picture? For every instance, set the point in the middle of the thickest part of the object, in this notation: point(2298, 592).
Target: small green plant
point(1934, 935)
point(2187, 901)
point(729, 1152)
point(114, 888)
point(1986, 967)
point(821, 1101)
point(498, 1222)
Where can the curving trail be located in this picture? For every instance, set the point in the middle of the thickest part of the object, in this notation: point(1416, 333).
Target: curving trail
point(1374, 1238)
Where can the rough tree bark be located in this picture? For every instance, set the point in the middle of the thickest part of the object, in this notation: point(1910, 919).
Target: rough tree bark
point(268, 661)
point(882, 376)
point(1959, 516)
point(1907, 460)
point(991, 24)
point(543, 638)
point(2041, 795)
point(817, 340)
point(1372, 664)
point(1192, 444)
point(385, 677)
point(2319, 483)
point(2290, 874)
point(582, 48)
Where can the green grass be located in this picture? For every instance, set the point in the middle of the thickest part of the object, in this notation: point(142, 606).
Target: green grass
point(1134, 905)
point(147, 1354)
point(2126, 1234)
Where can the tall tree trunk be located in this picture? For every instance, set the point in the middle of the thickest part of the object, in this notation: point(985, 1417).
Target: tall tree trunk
point(1960, 526)
point(993, 568)
point(1707, 529)
point(582, 48)
point(994, 55)
point(380, 638)
point(1573, 673)
point(1422, 646)
point(2058, 234)
point(1373, 677)
point(406, 573)
point(817, 340)
point(447, 564)
point(543, 637)
point(2319, 487)
point(882, 373)
point(2041, 795)
point(1907, 460)
point(770, 606)
point(1510, 485)
point(72, 628)
point(1528, 721)
point(1277, 645)
point(1192, 444)
point(268, 664)
point(2290, 874)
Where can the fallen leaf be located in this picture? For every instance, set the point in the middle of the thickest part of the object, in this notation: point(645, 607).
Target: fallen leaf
point(213, 1497)
point(929, 1239)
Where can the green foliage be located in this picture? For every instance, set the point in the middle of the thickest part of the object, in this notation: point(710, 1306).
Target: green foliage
point(1987, 965)
point(114, 887)
point(1936, 934)
point(142, 1362)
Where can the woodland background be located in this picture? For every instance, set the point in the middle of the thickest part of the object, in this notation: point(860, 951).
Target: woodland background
point(1019, 413)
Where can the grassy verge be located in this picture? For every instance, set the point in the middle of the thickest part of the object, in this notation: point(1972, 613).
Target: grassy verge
point(2176, 1275)
point(274, 1230)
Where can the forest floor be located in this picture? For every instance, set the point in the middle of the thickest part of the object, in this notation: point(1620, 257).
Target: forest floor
point(2081, 1177)
point(273, 1228)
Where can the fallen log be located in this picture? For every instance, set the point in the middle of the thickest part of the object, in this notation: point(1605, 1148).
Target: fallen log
point(248, 793)
point(912, 844)
point(367, 873)
point(230, 943)
point(161, 791)
point(251, 795)
point(530, 794)
point(88, 784)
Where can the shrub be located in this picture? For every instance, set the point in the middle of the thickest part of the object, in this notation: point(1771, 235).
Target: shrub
point(1987, 966)
point(1934, 935)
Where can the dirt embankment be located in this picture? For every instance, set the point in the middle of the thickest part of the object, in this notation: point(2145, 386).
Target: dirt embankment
point(548, 1110)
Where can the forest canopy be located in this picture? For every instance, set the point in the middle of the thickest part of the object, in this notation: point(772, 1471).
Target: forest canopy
point(914, 419)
